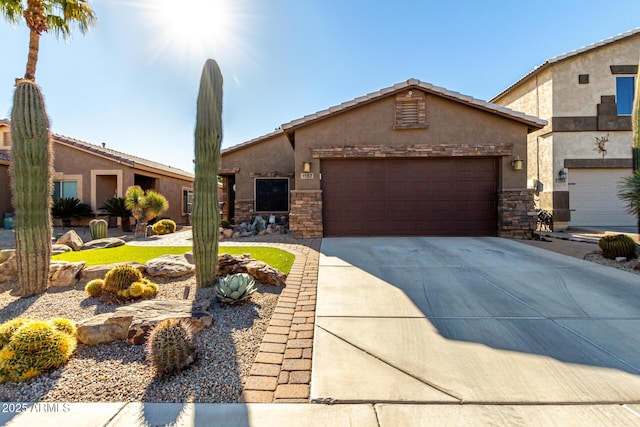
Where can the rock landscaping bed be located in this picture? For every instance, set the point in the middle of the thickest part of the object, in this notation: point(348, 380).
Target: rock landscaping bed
point(120, 372)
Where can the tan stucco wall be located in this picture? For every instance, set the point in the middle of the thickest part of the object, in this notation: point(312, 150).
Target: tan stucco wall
point(448, 122)
point(273, 155)
point(573, 99)
point(533, 96)
point(70, 161)
point(5, 193)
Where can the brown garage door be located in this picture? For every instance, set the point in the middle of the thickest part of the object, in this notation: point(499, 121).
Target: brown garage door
point(405, 197)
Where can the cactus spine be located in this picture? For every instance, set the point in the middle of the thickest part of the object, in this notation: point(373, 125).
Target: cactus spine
point(170, 347)
point(31, 181)
point(98, 228)
point(208, 136)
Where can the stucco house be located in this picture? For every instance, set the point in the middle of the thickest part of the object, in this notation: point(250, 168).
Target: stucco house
point(95, 173)
point(410, 159)
point(576, 161)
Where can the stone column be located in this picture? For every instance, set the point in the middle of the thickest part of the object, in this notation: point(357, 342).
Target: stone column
point(516, 213)
point(305, 219)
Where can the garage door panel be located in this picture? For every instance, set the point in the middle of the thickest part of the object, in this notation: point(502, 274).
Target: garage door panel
point(593, 198)
point(409, 197)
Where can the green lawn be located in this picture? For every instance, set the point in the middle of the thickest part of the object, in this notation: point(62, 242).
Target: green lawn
point(277, 258)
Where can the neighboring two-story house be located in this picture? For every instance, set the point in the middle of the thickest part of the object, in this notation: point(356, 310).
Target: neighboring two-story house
point(94, 174)
point(576, 161)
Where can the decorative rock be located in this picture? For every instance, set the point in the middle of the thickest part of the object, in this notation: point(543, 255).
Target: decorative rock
point(232, 264)
point(228, 233)
point(262, 233)
point(236, 235)
point(99, 271)
point(5, 254)
point(259, 224)
point(107, 242)
point(169, 266)
point(247, 234)
point(59, 249)
point(102, 329)
point(71, 239)
point(189, 257)
point(9, 270)
point(62, 273)
point(133, 322)
point(621, 259)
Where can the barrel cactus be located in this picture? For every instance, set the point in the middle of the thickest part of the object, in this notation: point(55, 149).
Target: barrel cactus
point(235, 288)
point(31, 181)
point(170, 346)
point(119, 278)
point(94, 287)
point(98, 228)
point(208, 137)
point(164, 226)
point(35, 347)
point(617, 245)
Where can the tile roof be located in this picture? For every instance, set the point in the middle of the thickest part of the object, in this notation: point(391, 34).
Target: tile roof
point(531, 121)
point(127, 159)
point(567, 55)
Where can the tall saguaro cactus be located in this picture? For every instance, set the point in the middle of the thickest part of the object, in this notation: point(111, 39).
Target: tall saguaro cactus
point(31, 175)
point(206, 212)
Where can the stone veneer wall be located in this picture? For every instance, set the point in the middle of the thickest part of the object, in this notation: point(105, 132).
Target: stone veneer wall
point(243, 210)
point(516, 213)
point(305, 219)
point(417, 150)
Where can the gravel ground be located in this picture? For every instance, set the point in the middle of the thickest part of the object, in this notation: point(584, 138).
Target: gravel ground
point(626, 266)
point(117, 372)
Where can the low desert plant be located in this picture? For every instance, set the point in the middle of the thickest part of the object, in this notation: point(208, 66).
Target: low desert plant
point(235, 288)
point(35, 346)
point(120, 278)
point(125, 282)
point(98, 228)
point(164, 226)
point(225, 223)
point(67, 208)
point(94, 287)
point(170, 346)
point(116, 207)
point(617, 245)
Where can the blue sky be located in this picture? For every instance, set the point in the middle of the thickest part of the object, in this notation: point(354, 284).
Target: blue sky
point(132, 81)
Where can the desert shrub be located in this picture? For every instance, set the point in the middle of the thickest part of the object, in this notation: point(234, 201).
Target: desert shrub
point(225, 224)
point(164, 226)
point(35, 346)
point(617, 245)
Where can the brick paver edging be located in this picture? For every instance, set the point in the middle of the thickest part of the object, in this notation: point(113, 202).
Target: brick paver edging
point(281, 371)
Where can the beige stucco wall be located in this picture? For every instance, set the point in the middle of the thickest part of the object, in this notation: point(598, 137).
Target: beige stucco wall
point(448, 122)
point(87, 168)
point(271, 156)
point(573, 99)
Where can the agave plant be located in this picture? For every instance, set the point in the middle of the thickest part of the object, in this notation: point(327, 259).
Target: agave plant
point(235, 288)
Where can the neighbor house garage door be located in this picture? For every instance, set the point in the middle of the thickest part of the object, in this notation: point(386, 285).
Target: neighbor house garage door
point(593, 198)
point(404, 197)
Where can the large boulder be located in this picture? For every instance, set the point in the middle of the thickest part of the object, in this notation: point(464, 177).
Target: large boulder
point(107, 242)
point(57, 249)
point(133, 322)
point(99, 271)
point(169, 266)
point(71, 239)
point(9, 270)
point(5, 254)
point(62, 273)
point(232, 264)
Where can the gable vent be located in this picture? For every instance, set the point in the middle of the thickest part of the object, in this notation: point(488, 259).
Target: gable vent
point(411, 110)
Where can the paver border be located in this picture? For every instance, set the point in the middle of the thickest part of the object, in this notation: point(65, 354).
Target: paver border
point(281, 372)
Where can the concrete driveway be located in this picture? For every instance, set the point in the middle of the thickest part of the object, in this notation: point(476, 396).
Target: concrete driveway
point(472, 320)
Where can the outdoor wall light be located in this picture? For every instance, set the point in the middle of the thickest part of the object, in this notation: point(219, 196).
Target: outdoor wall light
point(306, 166)
point(516, 163)
point(562, 175)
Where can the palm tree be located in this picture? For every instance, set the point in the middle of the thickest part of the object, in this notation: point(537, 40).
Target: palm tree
point(116, 207)
point(43, 15)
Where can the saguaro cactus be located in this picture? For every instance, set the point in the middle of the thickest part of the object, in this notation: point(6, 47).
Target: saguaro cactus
point(208, 136)
point(31, 174)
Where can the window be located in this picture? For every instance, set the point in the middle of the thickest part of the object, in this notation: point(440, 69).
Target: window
point(272, 194)
point(624, 95)
point(64, 189)
point(187, 201)
point(6, 139)
point(583, 79)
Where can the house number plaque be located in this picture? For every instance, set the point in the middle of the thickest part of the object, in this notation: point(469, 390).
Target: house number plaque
point(307, 175)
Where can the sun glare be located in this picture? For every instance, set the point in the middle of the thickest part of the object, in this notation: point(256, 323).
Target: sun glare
point(193, 29)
